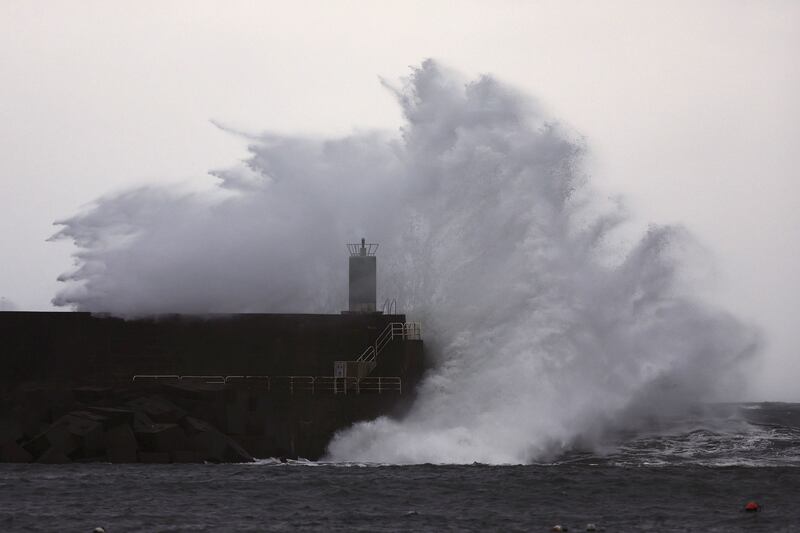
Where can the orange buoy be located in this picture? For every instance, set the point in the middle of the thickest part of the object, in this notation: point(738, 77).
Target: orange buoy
point(752, 507)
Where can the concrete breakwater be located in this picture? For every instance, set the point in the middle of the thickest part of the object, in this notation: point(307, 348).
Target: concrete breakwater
point(147, 429)
point(68, 392)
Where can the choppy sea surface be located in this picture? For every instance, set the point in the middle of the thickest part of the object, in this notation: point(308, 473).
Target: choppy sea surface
point(695, 474)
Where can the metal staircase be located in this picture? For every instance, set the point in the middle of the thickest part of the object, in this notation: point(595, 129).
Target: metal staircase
point(367, 361)
point(393, 330)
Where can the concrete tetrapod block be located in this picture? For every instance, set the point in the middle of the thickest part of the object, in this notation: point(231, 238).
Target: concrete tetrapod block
point(258, 446)
point(234, 453)
point(76, 435)
point(11, 452)
point(112, 416)
point(162, 438)
point(88, 427)
point(57, 437)
point(141, 422)
point(28, 414)
point(211, 410)
point(37, 445)
point(213, 446)
point(53, 456)
point(10, 431)
point(31, 426)
point(153, 457)
point(120, 437)
point(121, 445)
point(44, 404)
point(235, 417)
point(122, 455)
point(158, 409)
point(185, 456)
point(92, 394)
point(194, 425)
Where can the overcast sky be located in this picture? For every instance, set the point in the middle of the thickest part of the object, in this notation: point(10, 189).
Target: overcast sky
point(689, 110)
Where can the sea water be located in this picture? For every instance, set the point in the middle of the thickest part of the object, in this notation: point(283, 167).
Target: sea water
point(696, 477)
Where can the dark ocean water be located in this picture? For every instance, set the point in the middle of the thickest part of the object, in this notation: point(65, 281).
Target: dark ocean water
point(694, 477)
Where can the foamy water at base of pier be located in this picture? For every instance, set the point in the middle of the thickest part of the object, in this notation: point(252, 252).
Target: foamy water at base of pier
point(698, 478)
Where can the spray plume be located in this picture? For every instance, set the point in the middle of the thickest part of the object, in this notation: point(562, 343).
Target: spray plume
point(541, 335)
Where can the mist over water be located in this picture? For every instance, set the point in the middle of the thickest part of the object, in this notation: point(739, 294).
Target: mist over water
point(544, 334)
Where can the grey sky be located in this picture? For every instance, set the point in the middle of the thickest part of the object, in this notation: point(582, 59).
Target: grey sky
point(689, 110)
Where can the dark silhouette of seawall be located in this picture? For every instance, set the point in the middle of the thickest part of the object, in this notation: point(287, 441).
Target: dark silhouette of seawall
point(231, 387)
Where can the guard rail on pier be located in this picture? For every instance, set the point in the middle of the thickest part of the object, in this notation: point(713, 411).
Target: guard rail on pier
point(286, 384)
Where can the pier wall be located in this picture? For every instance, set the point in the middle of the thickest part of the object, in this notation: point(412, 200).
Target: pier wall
point(57, 367)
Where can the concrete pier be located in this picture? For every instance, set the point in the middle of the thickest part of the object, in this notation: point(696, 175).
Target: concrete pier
point(67, 391)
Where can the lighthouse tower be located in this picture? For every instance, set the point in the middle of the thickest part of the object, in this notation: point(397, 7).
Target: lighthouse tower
point(363, 277)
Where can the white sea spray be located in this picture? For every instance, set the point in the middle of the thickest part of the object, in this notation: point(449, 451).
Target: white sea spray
point(542, 334)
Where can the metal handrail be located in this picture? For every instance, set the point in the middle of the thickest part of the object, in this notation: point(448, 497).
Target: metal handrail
point(249, 380)
point(245, 378)
point(368, 354)
point(389, 306)
point(293, 383)
point(336, 385)
point(380, 384)
point(368, 249)
point(312, 384)
point(204, 379)
point(155, 377)
point(403, 330)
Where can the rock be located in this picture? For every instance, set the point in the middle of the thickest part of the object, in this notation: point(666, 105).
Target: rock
point(11, 452)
